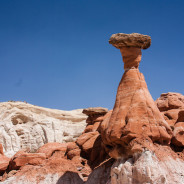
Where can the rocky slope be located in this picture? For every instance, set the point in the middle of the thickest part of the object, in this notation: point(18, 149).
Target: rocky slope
point(25, 126)
point(138, 142)
point(59, 162)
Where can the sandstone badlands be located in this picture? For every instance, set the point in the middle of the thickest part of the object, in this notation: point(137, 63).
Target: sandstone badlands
point(139, 141)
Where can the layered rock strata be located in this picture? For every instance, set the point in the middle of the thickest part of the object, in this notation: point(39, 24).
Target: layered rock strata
point(135, 115)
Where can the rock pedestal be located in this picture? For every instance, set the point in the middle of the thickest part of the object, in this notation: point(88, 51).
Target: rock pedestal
point(135, 121)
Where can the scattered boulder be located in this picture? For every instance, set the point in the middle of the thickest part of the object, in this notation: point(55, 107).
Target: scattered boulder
point(50, 148)
point(22, 158)
point(171, 116)
point(178, 134)
point(46, 165)
point(172, 107)
point(168, 101)
point(73, 150)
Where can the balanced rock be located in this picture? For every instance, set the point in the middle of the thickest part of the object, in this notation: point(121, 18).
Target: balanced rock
point(93, 113)
point(135, 115)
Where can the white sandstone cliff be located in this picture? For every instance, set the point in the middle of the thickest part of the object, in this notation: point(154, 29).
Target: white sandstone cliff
point(25, 126)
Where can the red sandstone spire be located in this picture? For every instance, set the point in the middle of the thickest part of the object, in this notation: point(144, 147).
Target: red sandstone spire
point(135, 116)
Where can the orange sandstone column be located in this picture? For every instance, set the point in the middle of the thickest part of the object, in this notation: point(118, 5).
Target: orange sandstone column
point(135, 116)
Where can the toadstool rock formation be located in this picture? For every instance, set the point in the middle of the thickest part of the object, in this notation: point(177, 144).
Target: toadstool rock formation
point(135, 133)
point(135, 115)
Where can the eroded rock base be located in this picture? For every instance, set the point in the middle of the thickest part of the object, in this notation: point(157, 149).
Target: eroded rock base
point(147, 168)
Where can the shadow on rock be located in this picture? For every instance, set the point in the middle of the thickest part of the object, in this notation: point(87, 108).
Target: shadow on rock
point(70, 178)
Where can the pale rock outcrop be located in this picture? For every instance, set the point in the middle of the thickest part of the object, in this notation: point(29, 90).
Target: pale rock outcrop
point(25, 126)
point(147, 168)
point(49, 179)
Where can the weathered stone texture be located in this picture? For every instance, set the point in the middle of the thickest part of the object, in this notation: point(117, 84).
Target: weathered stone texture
point(120, 40)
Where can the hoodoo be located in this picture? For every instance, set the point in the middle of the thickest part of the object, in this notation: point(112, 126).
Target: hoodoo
point(144, 138)
point(135, 117)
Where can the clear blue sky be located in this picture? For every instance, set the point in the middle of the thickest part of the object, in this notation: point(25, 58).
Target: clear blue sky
point(55, 53)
